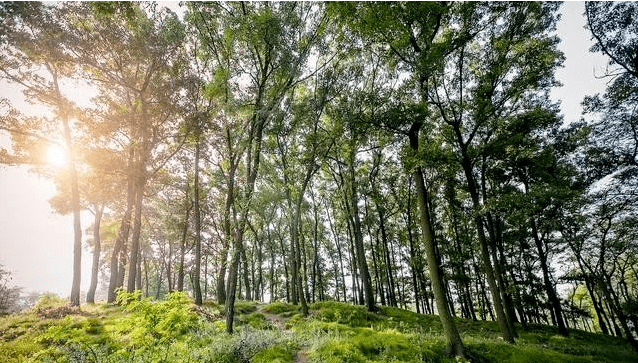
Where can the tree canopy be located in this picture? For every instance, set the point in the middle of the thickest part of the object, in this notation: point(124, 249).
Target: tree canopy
point(380, 153)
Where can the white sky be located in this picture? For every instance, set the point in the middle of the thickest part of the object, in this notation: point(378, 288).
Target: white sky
point(37, 245)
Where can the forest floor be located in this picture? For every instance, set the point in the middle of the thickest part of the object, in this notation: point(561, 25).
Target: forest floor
point(174, 330)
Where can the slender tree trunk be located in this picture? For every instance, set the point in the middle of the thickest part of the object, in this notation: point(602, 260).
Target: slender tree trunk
point(454, 343)
point(75, 194)
point(245, 274)
point(182, 248)
point(232, 281)
point(120, 242)
point(137, 229)
point(286, 274)
point(376, 267)
point(97, 249)
point(228, 236)
point(273, 288)
point(386, 257)
point(198, 231)
point(357, 294)
point(159, 281)
point(413, 254)
point(205, 277)
point(508, 335)
point(169, 268)
point(614, 303)
point(294, 261)
point(549, 286)
point(138, 278)
point(145, 274)
point(358, 239)
point(335, 234)
point(220, 290)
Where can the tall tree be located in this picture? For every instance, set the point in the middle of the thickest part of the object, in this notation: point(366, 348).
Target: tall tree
point(483, 87)
point(274, 43)
point(132, 55)
point(33, 60)
point(411, 34)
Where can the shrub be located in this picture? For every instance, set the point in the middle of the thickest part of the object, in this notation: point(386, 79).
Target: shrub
point(162, 320)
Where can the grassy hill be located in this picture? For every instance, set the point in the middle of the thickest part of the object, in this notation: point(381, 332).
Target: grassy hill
point(175, 330)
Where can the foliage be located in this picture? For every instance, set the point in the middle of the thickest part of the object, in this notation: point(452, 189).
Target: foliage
point(306, 177)
point(175, 334)
point(150, 320)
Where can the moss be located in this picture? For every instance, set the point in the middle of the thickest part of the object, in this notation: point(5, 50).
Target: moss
point(343, 313)
point(256, 321)
point(294, 321)
point(245, 307)
point(280, 307)
point(274, 354)
point(337, 351)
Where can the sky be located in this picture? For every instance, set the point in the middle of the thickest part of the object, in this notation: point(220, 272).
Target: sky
point(36, 244)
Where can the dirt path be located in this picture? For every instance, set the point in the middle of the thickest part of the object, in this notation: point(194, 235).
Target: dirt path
point(274, 319)
point(301, 356)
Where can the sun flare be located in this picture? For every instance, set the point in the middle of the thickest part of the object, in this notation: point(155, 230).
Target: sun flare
point(56, 156)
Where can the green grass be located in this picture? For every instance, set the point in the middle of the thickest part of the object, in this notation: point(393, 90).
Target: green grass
point(281, 308)
point(144, 330)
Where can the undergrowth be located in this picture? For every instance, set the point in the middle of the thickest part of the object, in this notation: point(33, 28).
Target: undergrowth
point(140, 329)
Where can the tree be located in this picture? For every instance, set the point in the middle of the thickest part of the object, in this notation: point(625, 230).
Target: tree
point(134, 60)
point(394, 27)
point(269, 44)
point(483, 87)
point(33, 60)
point(611, 161)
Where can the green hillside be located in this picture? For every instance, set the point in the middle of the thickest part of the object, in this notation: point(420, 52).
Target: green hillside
point(175, 330)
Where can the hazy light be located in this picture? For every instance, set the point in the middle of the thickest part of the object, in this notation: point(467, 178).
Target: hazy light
point(56, 156)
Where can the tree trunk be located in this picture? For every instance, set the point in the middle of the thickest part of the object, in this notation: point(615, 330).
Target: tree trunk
point(245, 274)
point(508, 335)
point(97, 248)
point(120, 242)
point(198, 231)
point(182, 249)
point(386, 257)
point(220, 290)
point(75, 194)
point(549, 286)
point(137, 229)
point(454, 343)
point(232, 282)
point(228, 236)
point(358, 239)
point(413, 254)
point(338, 247)
point(138, 278)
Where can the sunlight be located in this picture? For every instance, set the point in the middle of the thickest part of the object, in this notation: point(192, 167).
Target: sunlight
point(56, 156)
